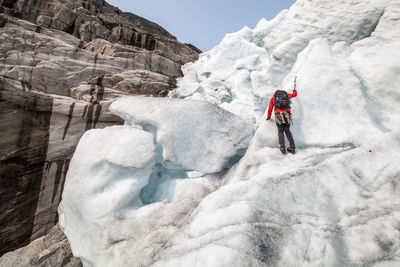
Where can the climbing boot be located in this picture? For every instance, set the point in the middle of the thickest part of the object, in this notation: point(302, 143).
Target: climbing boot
point(291, 150)
point(283, 149)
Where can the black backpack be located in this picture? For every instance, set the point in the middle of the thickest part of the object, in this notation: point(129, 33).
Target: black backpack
point(282, 100)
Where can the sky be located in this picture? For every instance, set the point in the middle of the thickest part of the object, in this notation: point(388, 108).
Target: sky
point(203, 23)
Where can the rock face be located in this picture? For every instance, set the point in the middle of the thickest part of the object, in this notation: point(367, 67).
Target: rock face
point(61, 65)
point(50, 250)
point(92, 19)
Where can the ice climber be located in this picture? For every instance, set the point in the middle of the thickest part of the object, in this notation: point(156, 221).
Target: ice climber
point(283, 118)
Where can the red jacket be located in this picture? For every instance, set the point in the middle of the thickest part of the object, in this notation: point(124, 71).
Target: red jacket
point(272, 104)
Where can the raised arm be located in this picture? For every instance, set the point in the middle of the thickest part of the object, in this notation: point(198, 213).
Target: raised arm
point(294, 94)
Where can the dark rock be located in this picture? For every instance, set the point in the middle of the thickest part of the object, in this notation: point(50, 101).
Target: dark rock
point(25, 117)
point(194, 48)
point(48, 251)
point(93, 19)
point(36, 147)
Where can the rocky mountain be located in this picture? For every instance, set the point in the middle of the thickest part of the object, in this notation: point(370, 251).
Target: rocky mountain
point(61, 65)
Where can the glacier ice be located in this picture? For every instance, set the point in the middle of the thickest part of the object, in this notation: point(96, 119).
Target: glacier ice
point(219, 74)
point(166, 146)
point(171, 188)
point(194, 135)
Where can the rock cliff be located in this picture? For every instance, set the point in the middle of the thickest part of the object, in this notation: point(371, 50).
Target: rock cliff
point(62, 63)
point(50, 250)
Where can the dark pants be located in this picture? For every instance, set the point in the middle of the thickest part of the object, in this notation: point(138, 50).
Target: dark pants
point(285, 127)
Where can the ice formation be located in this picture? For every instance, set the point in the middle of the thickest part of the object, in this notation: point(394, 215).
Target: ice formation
point(165, 147)
point(242, 72)
point(166, 189)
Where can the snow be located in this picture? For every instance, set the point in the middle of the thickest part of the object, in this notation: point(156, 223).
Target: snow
point(307, 209)
point(172, 187)
point(103, 181)
point(165, 147)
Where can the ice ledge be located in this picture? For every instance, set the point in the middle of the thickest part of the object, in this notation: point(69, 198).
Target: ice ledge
point(194, 135)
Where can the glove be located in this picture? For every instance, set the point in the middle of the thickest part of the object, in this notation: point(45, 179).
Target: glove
point(268, 118)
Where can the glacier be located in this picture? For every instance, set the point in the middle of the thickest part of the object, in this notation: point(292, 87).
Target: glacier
point(197, 179)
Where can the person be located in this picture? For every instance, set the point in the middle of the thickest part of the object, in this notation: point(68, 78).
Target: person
point(280, 101)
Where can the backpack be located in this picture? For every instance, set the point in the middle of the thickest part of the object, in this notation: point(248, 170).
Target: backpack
point(282, 100)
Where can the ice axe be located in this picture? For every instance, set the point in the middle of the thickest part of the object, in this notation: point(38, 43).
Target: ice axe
point(295, 78)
